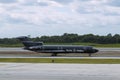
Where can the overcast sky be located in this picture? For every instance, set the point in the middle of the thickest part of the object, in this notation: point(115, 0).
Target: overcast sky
point(55, 17)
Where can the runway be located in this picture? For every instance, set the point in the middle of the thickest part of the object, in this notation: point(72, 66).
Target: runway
point(30, 71)
point(109, 49)
point(65, 57)
point(53, 71)
point(12, 49)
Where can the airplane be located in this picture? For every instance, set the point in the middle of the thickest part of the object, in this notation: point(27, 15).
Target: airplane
point(55, 49)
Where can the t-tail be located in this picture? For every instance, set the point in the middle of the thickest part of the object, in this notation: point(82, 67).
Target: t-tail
point(28, 43)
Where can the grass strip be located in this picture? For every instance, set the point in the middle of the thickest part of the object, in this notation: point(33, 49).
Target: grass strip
point(61, 60)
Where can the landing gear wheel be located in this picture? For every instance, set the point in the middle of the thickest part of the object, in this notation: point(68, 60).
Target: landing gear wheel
point(89, 54)
point(54, 54)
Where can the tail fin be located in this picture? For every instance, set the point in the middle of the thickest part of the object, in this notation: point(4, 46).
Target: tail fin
point(28, 43)
point(23, 38)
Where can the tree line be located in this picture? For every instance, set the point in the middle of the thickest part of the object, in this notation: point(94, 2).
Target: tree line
point(70, 38)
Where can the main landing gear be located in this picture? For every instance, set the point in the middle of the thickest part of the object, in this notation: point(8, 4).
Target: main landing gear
point(54, 54)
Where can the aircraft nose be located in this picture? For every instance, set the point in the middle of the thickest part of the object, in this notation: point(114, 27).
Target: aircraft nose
point(96, 50)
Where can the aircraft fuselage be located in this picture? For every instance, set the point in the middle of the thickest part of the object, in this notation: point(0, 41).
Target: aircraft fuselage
point(55, 49)
point(63, 49)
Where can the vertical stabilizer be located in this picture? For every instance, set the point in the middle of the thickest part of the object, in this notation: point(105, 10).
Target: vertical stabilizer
point(28, 43)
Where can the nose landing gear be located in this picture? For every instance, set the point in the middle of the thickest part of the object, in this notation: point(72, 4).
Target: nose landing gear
point(89, 54)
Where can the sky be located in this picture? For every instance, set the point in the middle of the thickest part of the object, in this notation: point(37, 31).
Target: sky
point(56, 17)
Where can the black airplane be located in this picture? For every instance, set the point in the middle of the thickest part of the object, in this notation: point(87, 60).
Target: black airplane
point(55, 49)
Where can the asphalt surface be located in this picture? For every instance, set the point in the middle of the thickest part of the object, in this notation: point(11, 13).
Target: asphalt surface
point(13, 49)
point(30, 71)
point(40, 71)
point(108, 49)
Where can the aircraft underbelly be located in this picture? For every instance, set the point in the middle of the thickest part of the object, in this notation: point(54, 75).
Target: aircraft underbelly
point(61, 51)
